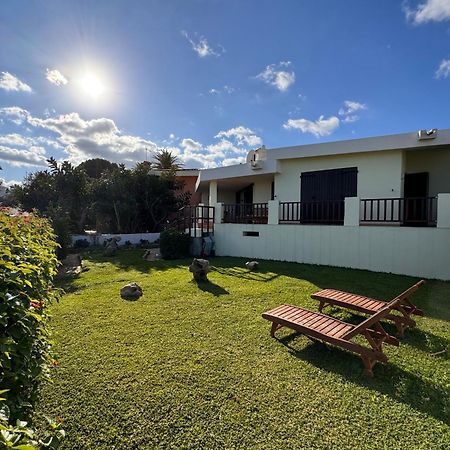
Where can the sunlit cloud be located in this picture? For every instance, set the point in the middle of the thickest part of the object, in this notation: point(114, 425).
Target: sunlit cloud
point(56, 77)
point(10, 82)
point(319, 127)
point(202, 47)
point(274, 75)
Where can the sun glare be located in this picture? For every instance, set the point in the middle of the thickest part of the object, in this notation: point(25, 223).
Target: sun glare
point(92, 86)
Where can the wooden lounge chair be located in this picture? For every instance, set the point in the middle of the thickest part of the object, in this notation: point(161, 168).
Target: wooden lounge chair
point(327, 329)
point(369, 305)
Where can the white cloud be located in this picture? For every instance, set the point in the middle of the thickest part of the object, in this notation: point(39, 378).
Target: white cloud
point(224, 90)
point(274, 76)
point(242, 135)
point(10, 82)
point(8, 183)
point(201, 47)
point(190, 144)
point(14, 114)
point(83, 139)
point(427, 11)
point(444, 69)
point(33, 156)
point(233, 161)
point(349, 109)
point(56, 77)
point(320, 127)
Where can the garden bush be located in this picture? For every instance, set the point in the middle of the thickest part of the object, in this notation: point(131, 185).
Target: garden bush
point(28, 264)
point(174, 244)
point(81, 243)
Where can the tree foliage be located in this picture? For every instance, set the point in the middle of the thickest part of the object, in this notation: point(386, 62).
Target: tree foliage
point(101, 195)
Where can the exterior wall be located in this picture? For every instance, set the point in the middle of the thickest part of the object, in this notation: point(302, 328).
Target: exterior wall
point(189, 186)
point(436, 163)
point(379, 173)
point(421, 252)
point(226, 197)
point(262, 190)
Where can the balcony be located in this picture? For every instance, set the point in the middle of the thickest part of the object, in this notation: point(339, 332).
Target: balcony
point(412, 212)
point(246, 213)
point(408, 212)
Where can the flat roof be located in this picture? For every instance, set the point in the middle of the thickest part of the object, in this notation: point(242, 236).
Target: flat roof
point(404, 141)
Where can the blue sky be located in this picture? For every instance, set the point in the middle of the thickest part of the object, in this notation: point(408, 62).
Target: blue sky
point(212, 79)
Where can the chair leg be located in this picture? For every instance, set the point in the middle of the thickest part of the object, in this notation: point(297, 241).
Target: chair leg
point(322, 304)
point(274, 328)
point(368, 365)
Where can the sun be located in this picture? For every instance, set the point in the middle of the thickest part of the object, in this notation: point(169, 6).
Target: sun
point(92, 85)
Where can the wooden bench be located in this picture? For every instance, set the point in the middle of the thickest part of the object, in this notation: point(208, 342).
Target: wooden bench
point(369, 305)
point(336, 332)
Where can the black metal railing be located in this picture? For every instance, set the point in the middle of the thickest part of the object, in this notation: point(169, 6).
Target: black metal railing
point(245, 213)
point(196, 221)
point(418, 211)
point(324, 213)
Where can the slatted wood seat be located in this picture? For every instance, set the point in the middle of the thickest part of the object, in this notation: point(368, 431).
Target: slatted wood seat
point(333, 331)
point(369, 305)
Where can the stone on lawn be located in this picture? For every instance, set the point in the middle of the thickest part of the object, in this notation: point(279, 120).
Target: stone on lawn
point(253, 266)
point(151, 254)
point(131, 291)
point(112, 246)
point(200, 269)
point(71, 265)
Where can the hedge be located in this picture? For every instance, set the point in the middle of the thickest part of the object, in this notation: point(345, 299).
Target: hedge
point(28, 265)
point(173, 244)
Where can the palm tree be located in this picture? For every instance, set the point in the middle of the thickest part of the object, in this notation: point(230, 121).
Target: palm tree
point(165, 160)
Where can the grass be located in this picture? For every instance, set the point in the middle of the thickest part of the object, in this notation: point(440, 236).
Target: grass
point(190, 366)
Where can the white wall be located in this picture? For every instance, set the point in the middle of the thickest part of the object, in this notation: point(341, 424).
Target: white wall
point(422, 252)
point(262, 190)
point(436, 163)
point(133, 238)
point(379, 173)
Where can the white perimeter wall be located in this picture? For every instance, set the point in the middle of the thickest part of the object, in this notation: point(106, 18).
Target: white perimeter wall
point(379, 173)
point(134, 238)
point(421, 252)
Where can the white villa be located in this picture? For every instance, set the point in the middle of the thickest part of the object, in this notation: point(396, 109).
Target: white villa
point(380, 204)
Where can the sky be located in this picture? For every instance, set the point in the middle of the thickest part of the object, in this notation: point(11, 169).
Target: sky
point(212, 79)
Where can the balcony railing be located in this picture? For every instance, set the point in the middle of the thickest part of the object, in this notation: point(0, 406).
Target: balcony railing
point(196, 221)
point(419, 211)
point(323, 213)
point(245, 213)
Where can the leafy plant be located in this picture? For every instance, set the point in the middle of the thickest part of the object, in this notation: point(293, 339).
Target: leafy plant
point(174, 244)
point(28, 264)
point(21, 436)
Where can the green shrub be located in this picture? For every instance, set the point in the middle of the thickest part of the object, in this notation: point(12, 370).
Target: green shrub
point(174, 245)
point(28, 264)
point(81, 243)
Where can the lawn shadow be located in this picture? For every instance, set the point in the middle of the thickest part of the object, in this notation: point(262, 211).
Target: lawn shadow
point(393, 381)
point(431, 297)
point(245, 273)
point(212, 288)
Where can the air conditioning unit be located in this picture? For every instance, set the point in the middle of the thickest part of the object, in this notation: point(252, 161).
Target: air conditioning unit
point(423, 135)
point(256, 164)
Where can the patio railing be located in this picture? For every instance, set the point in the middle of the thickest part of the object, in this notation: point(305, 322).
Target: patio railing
point(245, 213)
point(418, 211)
point(324, 213)
point(196, 221)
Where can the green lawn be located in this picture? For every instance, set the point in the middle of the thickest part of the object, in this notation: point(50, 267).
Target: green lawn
point(194, 367)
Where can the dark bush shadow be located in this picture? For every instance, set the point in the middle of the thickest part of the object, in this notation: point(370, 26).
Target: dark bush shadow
point(398, 384)
point(212, 288)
